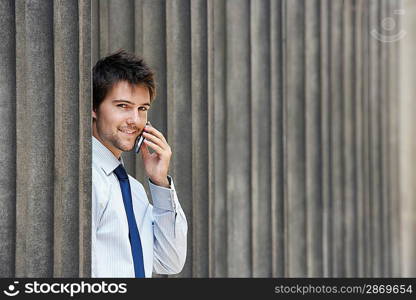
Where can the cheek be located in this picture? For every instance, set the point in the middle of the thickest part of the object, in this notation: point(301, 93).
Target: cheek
point(143, 118)
point(109, 120)
point(143, 121)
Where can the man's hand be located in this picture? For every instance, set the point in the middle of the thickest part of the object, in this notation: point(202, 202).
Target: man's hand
point(157, 163)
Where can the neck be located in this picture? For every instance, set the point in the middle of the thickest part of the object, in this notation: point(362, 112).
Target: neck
point(116, 152)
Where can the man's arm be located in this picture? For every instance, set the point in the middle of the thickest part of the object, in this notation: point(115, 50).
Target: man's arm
point(169, 225)
point(170, 230)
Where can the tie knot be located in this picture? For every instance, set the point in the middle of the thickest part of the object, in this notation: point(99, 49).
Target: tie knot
point(121, 172)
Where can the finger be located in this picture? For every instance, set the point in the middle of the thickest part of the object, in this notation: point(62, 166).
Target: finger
point(155, 147)
point(154, 131)
point(155, 140)
point(144, 150)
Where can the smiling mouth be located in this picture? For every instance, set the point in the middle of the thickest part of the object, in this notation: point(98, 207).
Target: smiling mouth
point(129, 132)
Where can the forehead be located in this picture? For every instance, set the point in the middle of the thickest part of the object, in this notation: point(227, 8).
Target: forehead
point(123, 90)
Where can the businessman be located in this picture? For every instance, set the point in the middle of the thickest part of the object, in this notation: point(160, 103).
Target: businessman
point(131, 237)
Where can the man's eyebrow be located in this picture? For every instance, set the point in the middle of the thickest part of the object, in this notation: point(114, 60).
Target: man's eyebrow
point(127, 101)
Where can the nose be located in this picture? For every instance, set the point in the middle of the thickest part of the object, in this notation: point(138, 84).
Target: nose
point(134, 117)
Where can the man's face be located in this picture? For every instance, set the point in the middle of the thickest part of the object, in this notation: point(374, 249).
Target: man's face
point(121, 116)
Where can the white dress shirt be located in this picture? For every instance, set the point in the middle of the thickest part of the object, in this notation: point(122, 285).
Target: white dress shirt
point(162, 226)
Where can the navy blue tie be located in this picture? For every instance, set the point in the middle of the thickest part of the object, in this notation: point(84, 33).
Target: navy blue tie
point(134, 236)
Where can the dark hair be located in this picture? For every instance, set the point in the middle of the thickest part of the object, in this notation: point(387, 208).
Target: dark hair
point(120, 66)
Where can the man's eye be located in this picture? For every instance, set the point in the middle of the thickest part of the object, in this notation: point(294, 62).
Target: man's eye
point(142, 108)
point(122, 105)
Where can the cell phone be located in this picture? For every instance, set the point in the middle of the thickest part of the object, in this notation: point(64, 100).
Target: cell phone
point(139, 140)
point(138, 143)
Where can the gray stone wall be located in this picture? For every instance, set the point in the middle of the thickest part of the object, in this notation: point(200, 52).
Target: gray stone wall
point(45, 134)
point(292, 143)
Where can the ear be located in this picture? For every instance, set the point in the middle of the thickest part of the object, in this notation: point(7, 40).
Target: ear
point(94, 114)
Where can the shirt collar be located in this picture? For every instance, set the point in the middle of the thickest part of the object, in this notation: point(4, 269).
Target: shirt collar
point(104, 157)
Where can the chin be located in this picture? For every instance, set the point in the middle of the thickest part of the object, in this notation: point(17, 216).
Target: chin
point(124, 145)
point(129, 147)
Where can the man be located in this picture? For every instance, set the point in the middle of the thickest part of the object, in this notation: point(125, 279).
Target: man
point(131, 237)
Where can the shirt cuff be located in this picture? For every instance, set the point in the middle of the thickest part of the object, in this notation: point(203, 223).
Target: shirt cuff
point(163, 198)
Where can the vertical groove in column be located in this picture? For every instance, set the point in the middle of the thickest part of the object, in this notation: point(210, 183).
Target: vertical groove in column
point(35, 138)
point(394, 107)
point(238, 138)
point(179, 108)
point(153, 50)
point(367, 148)
point(103, 25)
point(381, 101)
point(379, 161)
point(337, 166)
point(295, 132)
point(120, 24)
point(348, 153)
point(394, 141)
point(139, 16)
point(217, 142)
point(285, 205)
point(359, 137)
point(21, 114)
point(374, 118)
point(66, 202)
point(391, 99)
point(85, 133)
point(313, 140)
point(385, 172)
point(326, 138)
point(7, 138)
point(210, 114)
point(95, 30)
point(276, 116)
point(260, 136)
point(200, 203)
